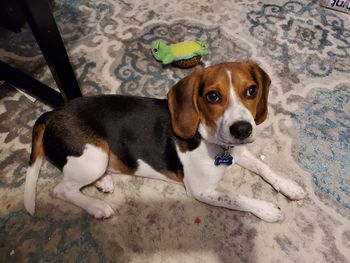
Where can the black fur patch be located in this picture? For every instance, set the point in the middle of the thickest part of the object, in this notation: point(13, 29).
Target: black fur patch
point(134, 128)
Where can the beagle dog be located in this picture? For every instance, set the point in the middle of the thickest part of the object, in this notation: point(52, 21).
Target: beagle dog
point(193, 138)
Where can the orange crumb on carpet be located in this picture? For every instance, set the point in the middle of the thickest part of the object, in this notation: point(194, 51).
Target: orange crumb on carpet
point(197, 221)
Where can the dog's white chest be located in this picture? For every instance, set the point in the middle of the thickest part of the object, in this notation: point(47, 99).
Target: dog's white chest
point(199, 165)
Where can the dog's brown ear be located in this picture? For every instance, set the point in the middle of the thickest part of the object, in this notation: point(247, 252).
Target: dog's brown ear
point(182, 103)
point(263, 80)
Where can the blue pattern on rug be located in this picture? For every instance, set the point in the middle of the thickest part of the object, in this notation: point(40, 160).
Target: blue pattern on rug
point(109, 44)
point(303, 37)
point(58, 232)
point(324, 149)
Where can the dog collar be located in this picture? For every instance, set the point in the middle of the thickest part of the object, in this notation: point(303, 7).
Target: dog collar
point(224, 158)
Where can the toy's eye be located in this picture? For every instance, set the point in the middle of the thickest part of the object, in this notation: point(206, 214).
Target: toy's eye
point(213, 97)
point(155, 50)
point(251, 92)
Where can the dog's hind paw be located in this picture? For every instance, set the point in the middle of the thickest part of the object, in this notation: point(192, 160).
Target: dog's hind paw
point(105, 184)
point(100, 210)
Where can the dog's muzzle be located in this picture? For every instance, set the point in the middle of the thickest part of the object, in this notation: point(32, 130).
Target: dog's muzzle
point(241, 130)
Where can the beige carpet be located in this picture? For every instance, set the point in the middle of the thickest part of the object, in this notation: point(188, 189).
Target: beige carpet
point(306, 51)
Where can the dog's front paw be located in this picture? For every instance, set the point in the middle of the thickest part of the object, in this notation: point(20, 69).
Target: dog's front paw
point(105, 184)
point(267, 211)
point(291, 189)
point(100, 210)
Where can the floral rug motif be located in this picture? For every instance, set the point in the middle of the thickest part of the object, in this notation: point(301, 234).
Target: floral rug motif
point(306, 51)
point(303, 37)
point(324, 133)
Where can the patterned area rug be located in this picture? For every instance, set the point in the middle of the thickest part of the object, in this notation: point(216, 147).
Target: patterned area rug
point(306, 51)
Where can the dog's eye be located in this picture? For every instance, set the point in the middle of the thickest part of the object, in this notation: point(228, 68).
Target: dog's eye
point(213, 97)
point(251, 92)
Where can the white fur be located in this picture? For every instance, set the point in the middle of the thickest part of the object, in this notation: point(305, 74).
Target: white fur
point(30, 185)
point(79, 172)
point(145, 170)
point(202, 177)
point(235, 112)
point(105, 183)
point(285, 186)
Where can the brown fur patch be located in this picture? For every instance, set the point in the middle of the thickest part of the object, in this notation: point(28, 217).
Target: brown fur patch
point(183, 146)
point(216, 80)
point(116, 164)
point(242, 79)
point(175, 176)
point(37, 144)
point(99, 142)
point(246, 75)
point(183, 105)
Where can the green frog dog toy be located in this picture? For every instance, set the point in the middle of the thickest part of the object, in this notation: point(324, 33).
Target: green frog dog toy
point(184, 54)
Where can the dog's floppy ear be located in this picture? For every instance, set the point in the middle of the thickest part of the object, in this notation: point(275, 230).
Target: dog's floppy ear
point(182, 103)
point(263, 80)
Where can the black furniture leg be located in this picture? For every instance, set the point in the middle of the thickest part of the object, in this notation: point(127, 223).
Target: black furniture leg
point(29, 84)
point(44, 28)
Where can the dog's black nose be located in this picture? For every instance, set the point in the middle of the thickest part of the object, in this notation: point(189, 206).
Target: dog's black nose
point(241, 130)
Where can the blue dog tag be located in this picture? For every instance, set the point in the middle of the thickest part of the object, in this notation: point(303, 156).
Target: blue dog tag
point(225, 159)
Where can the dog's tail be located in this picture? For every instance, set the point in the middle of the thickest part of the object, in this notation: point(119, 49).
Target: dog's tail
point(36, 158)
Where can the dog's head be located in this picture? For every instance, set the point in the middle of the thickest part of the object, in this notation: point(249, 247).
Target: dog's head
point(224, 103)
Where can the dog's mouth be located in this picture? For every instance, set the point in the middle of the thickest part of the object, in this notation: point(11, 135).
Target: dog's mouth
point(230, 143)
point(233, 143)
point(223, 139)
